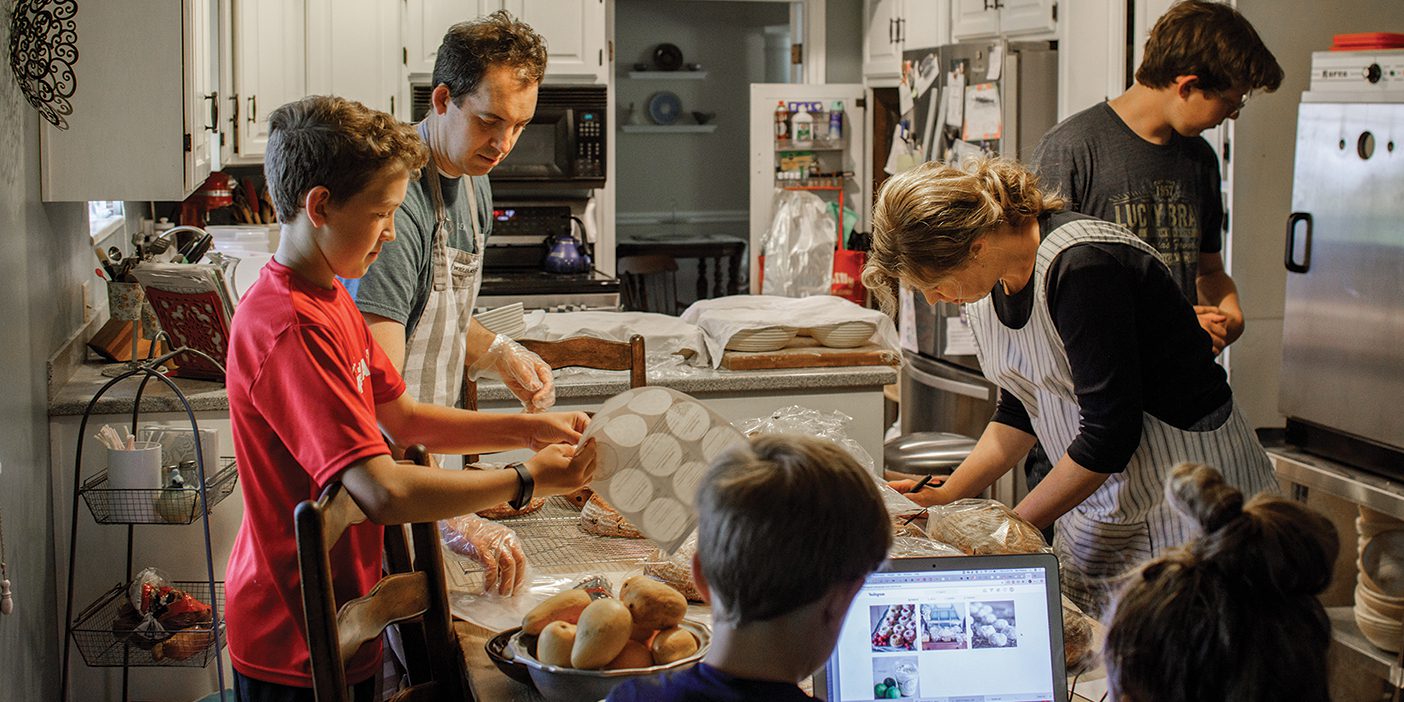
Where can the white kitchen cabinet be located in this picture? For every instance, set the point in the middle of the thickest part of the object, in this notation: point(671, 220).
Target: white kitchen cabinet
point(354, 51)
point(979, 19)
point(270, 67)
point(425, 24)
point(143, 111)
point(574, 31)
point(575, 35)
point(894, 26)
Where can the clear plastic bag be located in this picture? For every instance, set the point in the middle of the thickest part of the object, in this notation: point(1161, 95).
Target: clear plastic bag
point(676, 570)
point(984, 527)
point(802, 420)
point(799, 246)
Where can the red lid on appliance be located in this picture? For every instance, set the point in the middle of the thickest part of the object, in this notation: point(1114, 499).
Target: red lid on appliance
point(1365, 41)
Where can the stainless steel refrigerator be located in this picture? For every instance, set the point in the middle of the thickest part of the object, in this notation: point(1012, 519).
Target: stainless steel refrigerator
point(1343, 326)
point(943, 388)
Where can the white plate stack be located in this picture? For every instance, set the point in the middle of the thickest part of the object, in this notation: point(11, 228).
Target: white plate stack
point(509, 320)
point(1379, 589)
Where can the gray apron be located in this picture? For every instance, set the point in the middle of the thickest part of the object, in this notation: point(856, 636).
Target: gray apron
point(434, 352)
point(1127, 520)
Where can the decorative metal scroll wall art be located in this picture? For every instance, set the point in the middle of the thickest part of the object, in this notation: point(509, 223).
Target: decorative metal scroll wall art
point(43, 51)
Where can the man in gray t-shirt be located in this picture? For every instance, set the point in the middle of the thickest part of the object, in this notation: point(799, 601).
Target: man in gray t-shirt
point(1138, 160)
point(418, 296)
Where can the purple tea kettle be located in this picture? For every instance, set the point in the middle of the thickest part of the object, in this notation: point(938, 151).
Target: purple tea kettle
point(566, 255)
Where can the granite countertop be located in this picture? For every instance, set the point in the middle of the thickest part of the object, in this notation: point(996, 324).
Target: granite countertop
point(205, 396)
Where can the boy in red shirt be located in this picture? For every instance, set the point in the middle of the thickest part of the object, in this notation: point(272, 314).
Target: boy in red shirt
point(310, 392)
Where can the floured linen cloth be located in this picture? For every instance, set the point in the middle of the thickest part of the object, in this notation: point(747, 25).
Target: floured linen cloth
point(723, 317)
point(663, 334)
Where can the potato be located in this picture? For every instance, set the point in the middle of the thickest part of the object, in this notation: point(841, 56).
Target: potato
point(554, 645)
point(673, 644)
point(603, 630)
point(634, 655)
point(652, 604)
point(562, 606)
point(642, 634)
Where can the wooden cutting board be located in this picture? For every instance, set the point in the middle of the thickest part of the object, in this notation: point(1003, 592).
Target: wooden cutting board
point(805, 352)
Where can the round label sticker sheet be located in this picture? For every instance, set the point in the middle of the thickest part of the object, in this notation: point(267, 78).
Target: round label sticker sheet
point(653, 446)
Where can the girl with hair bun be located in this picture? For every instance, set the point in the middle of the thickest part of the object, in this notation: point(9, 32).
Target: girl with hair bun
point(1095, 352)
point(1233, 614)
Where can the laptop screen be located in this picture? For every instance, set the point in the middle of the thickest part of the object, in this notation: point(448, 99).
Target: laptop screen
point(965, 629)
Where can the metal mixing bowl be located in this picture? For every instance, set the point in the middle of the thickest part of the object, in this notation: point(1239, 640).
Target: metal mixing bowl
point(570, 685)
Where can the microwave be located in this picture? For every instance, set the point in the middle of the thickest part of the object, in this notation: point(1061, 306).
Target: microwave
point(563, 145)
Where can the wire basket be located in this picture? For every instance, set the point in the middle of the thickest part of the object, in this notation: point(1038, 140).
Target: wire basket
point(158, 505)
point(105, 640)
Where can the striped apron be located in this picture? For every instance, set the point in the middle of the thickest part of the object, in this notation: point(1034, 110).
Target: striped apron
point(434, 352)
point(1127, 520)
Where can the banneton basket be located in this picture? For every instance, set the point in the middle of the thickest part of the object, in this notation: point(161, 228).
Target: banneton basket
point(558, 684)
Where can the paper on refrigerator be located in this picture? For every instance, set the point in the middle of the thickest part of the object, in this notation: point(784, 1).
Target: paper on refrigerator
point(653, 446)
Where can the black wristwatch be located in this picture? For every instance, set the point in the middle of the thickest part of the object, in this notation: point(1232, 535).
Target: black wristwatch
point(525, 486)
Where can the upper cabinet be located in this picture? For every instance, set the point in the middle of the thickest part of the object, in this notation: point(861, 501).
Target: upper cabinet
point(144, 114)
point(575, 35)
point(270, 67)
point(425, 24)
point(354, 52)
point(574, 31)
point(288, 49)
point(894, 26)
point(980, 19)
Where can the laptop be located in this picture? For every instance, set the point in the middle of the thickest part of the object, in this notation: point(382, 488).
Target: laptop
point(953, 629)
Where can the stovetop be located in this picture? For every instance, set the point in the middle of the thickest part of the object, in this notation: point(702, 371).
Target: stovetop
point(539, 282)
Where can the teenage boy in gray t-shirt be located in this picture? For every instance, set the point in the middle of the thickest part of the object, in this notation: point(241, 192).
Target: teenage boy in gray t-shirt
point(1137, 160)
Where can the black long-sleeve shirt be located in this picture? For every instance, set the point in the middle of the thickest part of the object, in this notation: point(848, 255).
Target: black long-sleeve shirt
point(1133, 343)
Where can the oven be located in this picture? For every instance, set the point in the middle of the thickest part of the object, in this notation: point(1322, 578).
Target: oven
point(523, 232)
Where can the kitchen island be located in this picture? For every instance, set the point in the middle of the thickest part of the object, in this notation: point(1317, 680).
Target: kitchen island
point(179, 550)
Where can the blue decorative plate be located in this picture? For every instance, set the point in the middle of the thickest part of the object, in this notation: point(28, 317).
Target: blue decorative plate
point(664, 107)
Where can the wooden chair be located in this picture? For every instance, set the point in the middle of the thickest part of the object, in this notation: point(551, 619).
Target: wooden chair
point(649, 283)
point(335, 634)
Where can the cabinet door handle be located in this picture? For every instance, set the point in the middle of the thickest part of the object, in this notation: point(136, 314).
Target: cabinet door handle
point(253, 109)
point(392, 104)
point(901, 30)
point(213, 126)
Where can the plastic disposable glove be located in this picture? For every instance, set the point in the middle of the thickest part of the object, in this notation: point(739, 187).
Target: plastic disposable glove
point(523, 372)
point(493, 545)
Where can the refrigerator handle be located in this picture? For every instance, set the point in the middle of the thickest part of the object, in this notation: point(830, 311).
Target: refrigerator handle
point(1287, 259)
point(978, 392)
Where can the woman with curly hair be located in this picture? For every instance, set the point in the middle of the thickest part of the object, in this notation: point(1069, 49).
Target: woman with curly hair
point(1095, 352)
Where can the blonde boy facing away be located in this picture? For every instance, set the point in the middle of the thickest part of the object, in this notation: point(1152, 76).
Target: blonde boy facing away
point(788, 529)
point(310, 392)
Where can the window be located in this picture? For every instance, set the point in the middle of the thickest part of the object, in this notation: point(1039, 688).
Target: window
point(105, 217)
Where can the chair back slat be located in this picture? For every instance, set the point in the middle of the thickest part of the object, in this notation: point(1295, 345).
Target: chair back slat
point(395, 598)
point(418, 593)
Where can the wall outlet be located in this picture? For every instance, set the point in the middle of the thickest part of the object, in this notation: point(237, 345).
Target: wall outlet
point(86, 300)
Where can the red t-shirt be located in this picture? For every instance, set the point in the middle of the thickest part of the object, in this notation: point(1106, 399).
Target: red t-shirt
point(304, 378)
